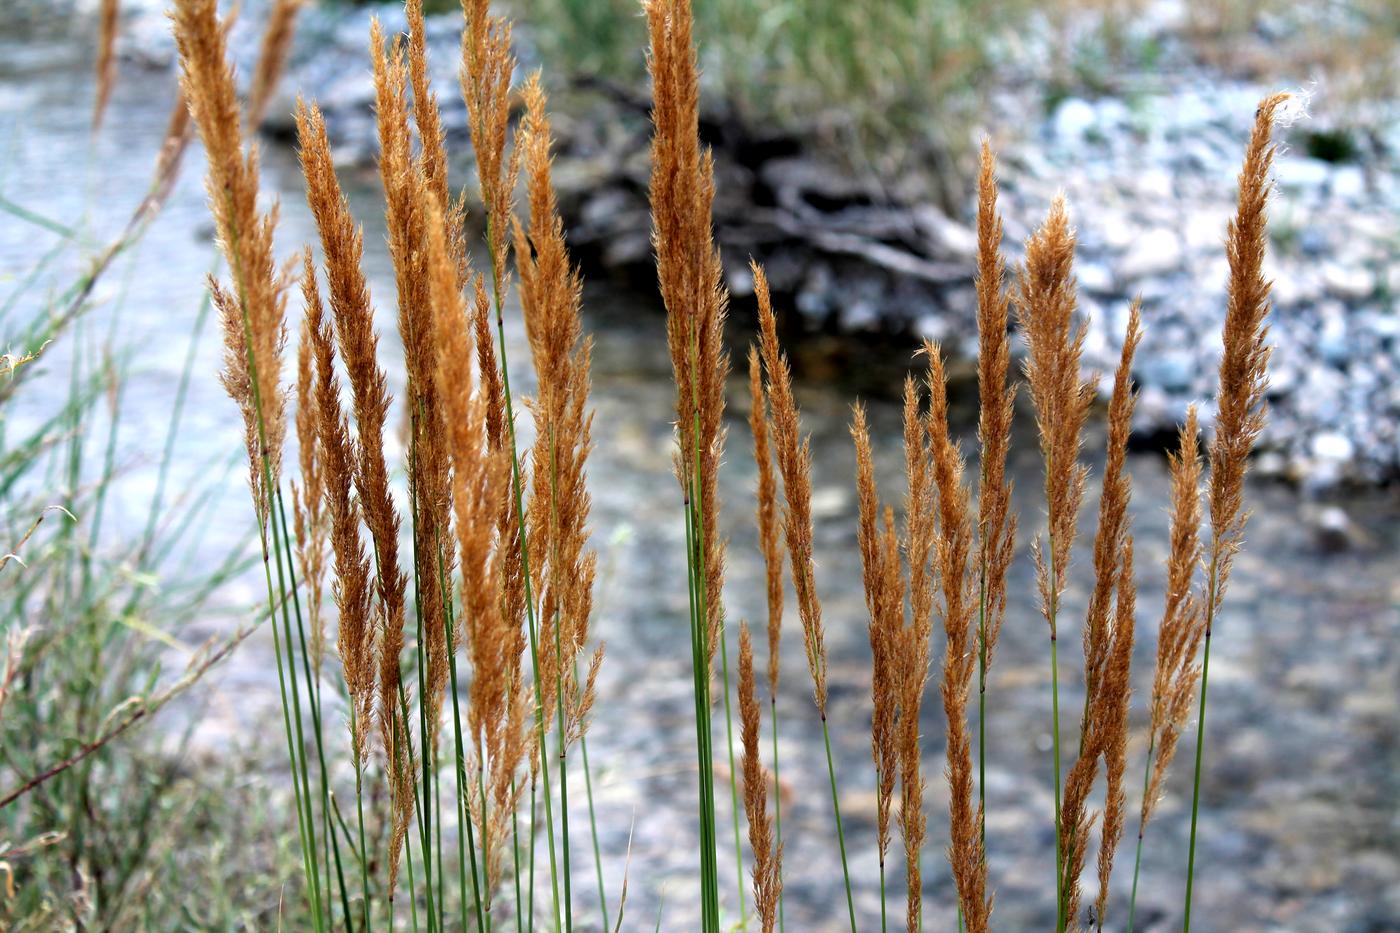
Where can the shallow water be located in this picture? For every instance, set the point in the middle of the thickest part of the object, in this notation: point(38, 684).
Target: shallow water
point(1300, 825)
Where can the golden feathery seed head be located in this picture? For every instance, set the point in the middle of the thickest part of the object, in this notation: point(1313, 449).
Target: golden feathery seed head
point(795, 467)
point(769, 532)
point(767, 870)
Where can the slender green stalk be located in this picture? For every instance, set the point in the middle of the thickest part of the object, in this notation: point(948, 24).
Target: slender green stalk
point(733, 784)
point(1142, 827)
point(1200, 744)
point(840, 831)
point(700, 637)
point(314, 695)
point(534, 811)
point(709, 892)
point(593, 823)
point(412, 887)
point(884, 920)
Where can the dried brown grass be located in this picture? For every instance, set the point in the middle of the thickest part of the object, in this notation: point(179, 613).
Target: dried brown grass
point(272, 57)
point(996, 523)
point(768, 858)
point(253, 308)
point(958, 605)
point(109, 17)
point(794, 455)
point(691, 281)
point(1108, 644)
point(1183, 620)
point(769, 530)
point(551, 296)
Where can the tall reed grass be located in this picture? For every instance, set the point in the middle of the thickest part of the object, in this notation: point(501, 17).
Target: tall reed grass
point(488, 556)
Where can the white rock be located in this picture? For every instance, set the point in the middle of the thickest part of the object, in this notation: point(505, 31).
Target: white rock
point(1154, 252)
point(1073, 118)
point(1332, 446)
point(1301, 173)
point(1348, 183)
point(1348, 282)
point(1095, 277)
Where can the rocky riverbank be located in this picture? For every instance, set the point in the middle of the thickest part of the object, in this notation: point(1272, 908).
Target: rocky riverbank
point(1149, 170)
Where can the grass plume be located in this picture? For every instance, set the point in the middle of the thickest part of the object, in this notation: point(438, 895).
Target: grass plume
point(1241, 410)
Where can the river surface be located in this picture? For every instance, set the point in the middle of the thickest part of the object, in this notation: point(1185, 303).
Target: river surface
point(1300, 823)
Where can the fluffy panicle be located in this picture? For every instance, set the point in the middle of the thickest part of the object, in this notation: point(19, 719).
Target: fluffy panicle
point(272, 57)
point(432, 140)
point(690, 276)
point(1113, 506)
point(253, 306)
point(769, 533)
point(914, 651)
point(1045, 306)
point(353, 590)
point(996, 523)
point(407, 203)
point(884, 599)
point(308, 506)
point(108, 16)
point(551, 297)
point(480, 484)
point(767, 872)
point(1116, 693)
point(958, 607)
point(1244, 365)
point(1183, 619)
point(342, 247)
point(1108, 642)
point(487, 67)
point(795, 467)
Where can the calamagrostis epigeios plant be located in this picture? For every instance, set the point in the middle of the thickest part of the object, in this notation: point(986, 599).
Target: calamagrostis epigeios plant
point(353, 586)
point(406, 218)
point(1045, 305)
point(1179, 637)
point(770, 545)
point(996, 523)
point(884, 600)
point(253, 307)
point(563, 567)
point(310, 521)
point(272, 57)
point(342, 247)
point(767, 855)
point(688, 269)
point(109, 15)
point(1240, 401)
point(690, 279)
point(794, 454)
point(1108, 639)
point(499, 709)
point(957, 585)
